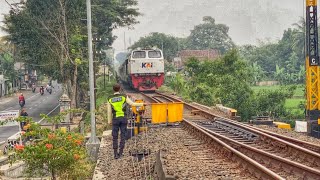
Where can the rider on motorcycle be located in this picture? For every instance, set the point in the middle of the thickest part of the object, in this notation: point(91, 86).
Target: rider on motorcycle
point(49, 88)
point(22, 101)
point(33, 87)
point(41, 90)
point(23, 114)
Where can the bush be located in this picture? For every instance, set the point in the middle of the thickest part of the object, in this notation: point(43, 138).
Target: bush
point(55, 153)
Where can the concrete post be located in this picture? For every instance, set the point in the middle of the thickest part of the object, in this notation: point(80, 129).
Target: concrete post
point(93, 144)
point(64, 106)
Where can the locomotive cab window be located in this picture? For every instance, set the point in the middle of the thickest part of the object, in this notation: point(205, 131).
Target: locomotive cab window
point(138, 54)
point(154, 54)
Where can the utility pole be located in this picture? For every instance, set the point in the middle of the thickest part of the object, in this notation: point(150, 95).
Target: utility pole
point(104, 75)
point(114, 66)
point(96, 56)
point(124, 41)
point(93, 144)
point(312, 69)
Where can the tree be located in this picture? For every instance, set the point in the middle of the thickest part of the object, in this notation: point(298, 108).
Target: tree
point(300, 35)
point(169, 44)
point(257, 72)
point(7, 65)
point(220, 78)
point(49, 36)
point(280, 60)
point(210, 35)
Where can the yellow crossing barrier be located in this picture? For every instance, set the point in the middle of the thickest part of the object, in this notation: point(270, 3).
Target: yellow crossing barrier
point(282, 125)
point(167, 113)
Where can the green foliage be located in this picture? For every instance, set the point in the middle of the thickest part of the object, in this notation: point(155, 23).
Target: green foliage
point(169, 67)
point(169, 44)
point(104, 92)
point(226, 81)
point(203, 94)
point(283, 61)
point(210, 35)
point(60, 154)
point(51, 38)
point(207, 35)
point(7, 64)
point(294, 102)
point(218, 81)
point(178, 84)
point(272, 103)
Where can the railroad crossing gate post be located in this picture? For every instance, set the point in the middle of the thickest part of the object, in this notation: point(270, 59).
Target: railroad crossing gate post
point(64, 106)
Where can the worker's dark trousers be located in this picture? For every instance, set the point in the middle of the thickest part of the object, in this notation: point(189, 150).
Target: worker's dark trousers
point(119, 123)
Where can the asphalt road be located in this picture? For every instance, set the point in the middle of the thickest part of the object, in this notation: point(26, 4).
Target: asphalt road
point(35, 105)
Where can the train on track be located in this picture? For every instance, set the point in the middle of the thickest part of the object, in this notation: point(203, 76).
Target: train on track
point(143, 69)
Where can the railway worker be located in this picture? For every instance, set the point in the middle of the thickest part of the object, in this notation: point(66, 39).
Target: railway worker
point(116, 106)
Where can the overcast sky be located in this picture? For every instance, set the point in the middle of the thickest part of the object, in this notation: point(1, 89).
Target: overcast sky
point(4, 9)
point(249, 20)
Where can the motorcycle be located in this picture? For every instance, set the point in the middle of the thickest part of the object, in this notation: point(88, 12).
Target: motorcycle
point(33, 89)
point(41, 92)
point(21, 103)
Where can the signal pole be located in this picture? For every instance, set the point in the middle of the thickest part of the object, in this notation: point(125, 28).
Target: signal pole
point(312, 70)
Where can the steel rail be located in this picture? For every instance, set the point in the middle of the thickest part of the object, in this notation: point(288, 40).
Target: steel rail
point(150, 97)
point(304, 144)
point(307, 145)
point(267, 158)
point(306, 154)
point(229, 152)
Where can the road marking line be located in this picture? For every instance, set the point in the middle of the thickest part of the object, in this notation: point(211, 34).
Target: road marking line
point(39, 122)
point(32, 96)
point(26, 99)
point(7, 109)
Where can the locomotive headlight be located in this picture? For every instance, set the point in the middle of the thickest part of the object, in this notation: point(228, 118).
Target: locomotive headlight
point(159, 74)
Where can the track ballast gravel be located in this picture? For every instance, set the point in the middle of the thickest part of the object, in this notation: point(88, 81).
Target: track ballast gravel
point(185, 157)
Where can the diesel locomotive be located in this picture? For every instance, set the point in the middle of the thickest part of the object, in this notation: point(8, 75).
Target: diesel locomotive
point(143, 69)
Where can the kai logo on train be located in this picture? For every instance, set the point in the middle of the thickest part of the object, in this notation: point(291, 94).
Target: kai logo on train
point(147, 65)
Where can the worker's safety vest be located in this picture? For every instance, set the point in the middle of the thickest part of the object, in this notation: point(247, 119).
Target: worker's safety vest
point(118, 105)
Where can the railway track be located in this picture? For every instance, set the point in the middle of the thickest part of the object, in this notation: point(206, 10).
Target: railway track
point(286, 157)
point(208, 115)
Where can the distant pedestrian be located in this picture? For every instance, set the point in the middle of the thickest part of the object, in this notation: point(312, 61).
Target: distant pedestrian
point(117, 116)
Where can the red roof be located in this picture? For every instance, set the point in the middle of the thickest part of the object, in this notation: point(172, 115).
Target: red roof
point(207, 54)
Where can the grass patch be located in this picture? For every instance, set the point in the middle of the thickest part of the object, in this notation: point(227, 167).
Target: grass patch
point(299, 92)
point(294, 103)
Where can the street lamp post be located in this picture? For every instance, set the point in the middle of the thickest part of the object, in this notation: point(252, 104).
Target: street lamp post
point(93, 144)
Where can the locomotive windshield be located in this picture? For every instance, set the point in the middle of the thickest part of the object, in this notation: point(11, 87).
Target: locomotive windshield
point(154, 54)
point(138, 54)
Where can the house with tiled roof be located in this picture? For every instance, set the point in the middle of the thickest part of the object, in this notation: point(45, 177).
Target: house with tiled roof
point(184, 55)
